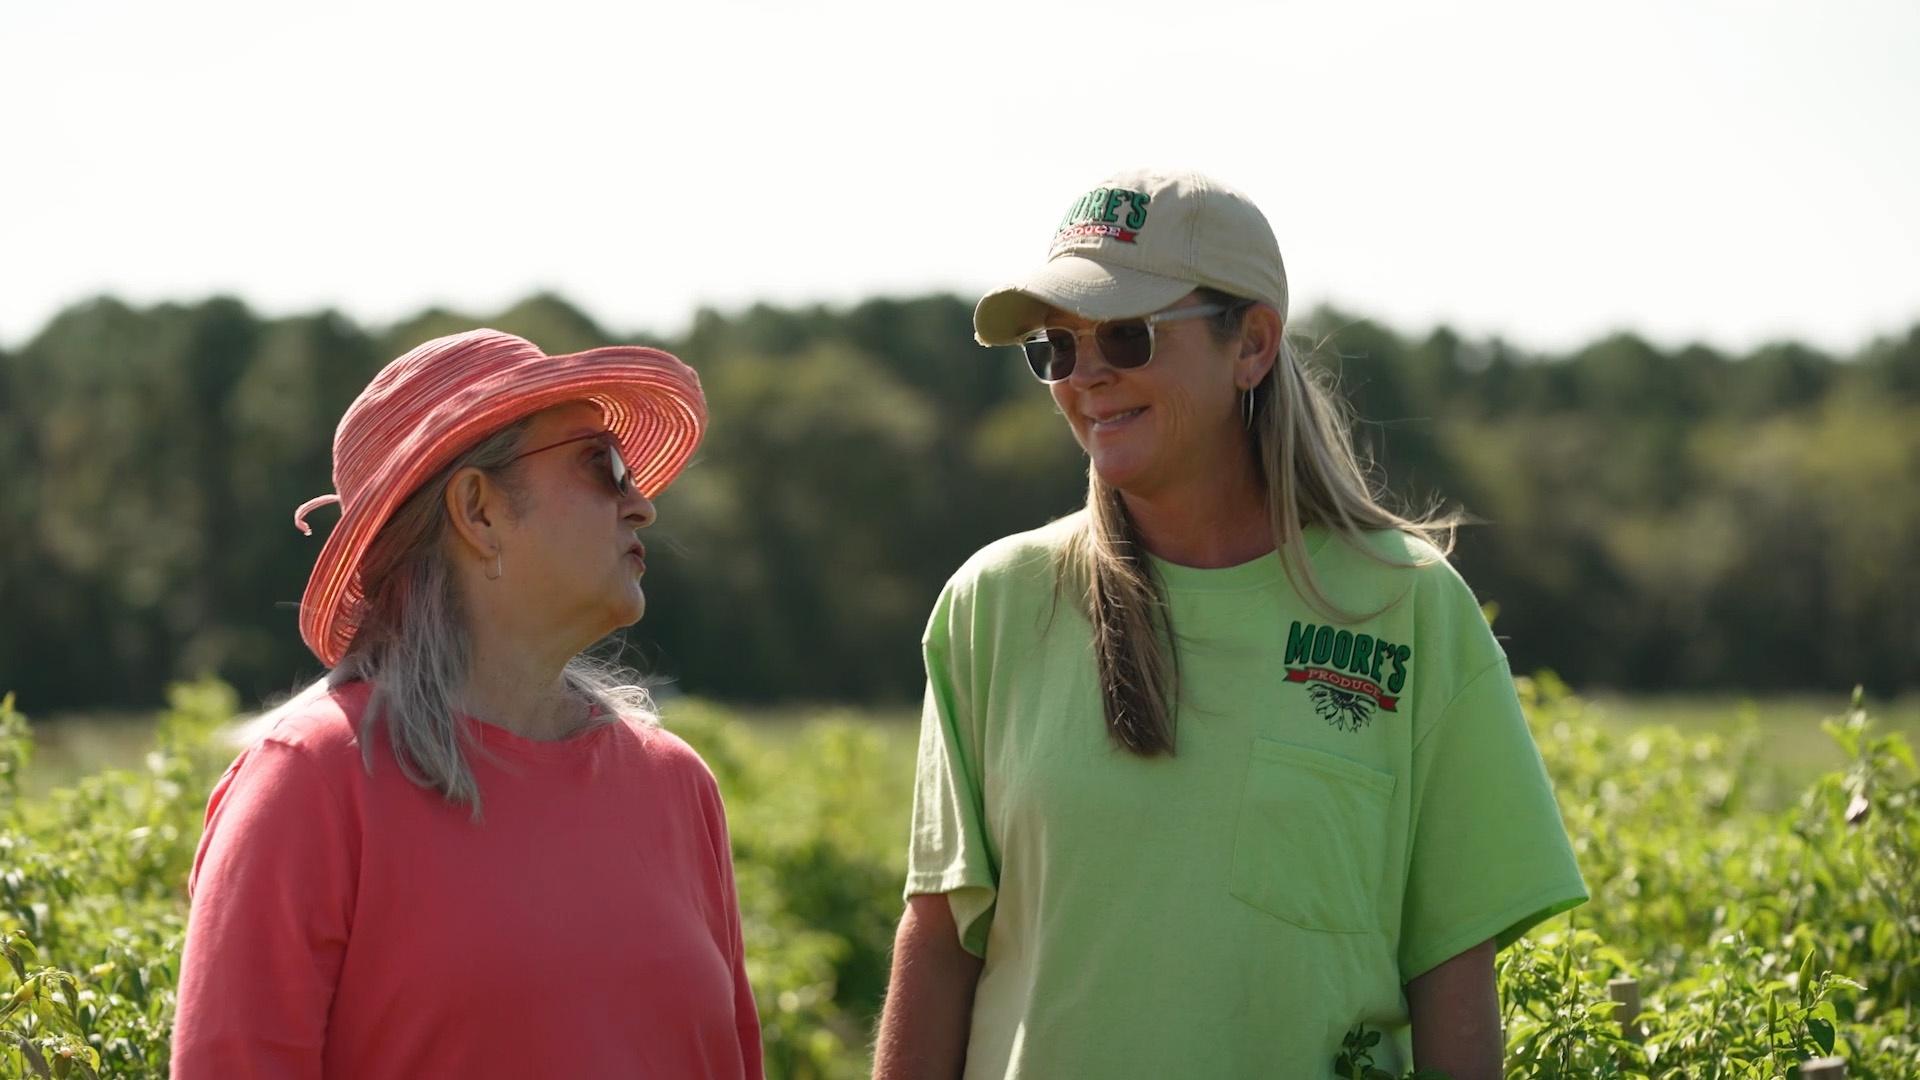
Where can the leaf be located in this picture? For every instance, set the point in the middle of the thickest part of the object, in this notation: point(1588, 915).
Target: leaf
point(18, 950)
point(1615, 957)
point(1822, 1033)
point(1896, 744)
point(35, 1060)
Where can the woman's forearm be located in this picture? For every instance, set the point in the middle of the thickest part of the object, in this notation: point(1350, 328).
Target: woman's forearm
point(1455, 1009)
point(929, 1008)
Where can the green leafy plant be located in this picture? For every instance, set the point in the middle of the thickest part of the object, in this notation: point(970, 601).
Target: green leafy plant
point(1763, 928)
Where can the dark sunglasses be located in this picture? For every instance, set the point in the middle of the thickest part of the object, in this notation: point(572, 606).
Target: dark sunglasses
point(618, 476)
point(1123, 343)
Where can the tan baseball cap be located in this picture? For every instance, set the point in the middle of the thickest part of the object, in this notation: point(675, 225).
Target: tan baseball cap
point(1135, 244)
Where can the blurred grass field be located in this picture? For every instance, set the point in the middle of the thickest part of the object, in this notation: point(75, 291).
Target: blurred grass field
point(1789, 724)
point(1791, 741)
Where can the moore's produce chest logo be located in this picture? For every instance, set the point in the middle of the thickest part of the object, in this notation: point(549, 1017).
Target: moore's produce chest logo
point(1348, 676)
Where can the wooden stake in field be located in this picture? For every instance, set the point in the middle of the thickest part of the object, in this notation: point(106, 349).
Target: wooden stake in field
point(1826, 1068)
point(1626, 991)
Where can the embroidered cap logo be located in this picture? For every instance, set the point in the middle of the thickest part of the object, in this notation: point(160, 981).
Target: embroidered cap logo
point(1097, 215)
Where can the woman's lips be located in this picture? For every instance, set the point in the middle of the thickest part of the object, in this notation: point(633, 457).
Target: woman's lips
point(1113, 421)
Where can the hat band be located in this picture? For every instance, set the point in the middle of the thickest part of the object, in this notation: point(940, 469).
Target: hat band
point(300, 515)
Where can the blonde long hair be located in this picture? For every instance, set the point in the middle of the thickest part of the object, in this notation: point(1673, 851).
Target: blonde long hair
point(1302, 443)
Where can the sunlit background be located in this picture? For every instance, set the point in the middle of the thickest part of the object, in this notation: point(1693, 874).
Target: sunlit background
point(1731, 172)
point(1635, 284)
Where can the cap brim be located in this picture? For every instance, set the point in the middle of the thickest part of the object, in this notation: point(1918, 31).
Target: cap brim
point(1089, 289)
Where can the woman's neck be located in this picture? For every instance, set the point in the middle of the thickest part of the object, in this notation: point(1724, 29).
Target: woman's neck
point(512, 686)
point(1206, 525)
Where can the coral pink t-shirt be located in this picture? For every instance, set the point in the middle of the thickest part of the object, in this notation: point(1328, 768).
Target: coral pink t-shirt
point(355, 925)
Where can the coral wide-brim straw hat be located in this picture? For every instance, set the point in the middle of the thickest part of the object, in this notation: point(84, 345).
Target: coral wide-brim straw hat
point(441, 399)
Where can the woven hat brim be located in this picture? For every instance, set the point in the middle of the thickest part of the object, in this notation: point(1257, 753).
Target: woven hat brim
point(653, 406)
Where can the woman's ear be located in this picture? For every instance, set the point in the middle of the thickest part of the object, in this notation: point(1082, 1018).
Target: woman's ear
point(1260, 334)
point(476, 506)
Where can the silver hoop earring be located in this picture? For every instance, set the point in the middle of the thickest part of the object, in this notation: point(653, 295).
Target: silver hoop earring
point(495, 576)
point(1246, 406)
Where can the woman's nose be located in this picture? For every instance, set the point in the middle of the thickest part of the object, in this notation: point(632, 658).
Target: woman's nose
point(1089, 367)
point(639, 510)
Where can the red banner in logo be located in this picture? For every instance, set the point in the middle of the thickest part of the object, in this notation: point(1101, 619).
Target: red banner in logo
point(1097, 229)
point(1343, 682)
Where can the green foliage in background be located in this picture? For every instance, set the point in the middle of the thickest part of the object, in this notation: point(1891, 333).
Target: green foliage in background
point(93, 897)
point(1655, 519)
point(1760, 937)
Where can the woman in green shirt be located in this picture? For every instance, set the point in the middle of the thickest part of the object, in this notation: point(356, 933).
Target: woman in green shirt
point(1227, 763)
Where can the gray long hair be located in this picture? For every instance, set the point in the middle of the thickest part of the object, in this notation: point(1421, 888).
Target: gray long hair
point(1302, 444)
point(413, 645)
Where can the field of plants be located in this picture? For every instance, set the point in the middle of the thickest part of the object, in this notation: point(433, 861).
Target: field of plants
point(1767, 916)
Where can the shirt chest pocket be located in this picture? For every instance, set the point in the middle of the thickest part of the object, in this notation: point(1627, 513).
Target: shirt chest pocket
point(1310, 846)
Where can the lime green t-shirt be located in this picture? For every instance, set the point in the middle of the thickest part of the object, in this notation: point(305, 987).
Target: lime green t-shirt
point(1349, 806)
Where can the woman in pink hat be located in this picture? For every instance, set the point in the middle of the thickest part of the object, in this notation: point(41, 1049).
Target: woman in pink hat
point(467, 850)
point(1224, 775)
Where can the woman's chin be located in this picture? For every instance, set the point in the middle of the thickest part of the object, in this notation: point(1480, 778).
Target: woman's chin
point(635, 608)
point(1116, 470)
point(625, 610)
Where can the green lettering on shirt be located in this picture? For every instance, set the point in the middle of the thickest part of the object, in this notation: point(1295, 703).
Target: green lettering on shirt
point(1401, 654)
point(1299, 643)
point(1342, 648)
point(1362, 653)
point(1322, 644)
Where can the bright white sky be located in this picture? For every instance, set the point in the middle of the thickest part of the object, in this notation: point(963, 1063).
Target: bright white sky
point(1732, 171)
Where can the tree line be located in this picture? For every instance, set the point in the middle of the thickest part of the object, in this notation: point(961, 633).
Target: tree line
point(1649, 519)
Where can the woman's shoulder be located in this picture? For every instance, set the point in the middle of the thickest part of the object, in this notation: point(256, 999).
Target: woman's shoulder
point(321, 723)
point(1017, 571)
point(1023, 555)
point(673, 769)
point(1399, 555)
point(664, 750)
point(1379, 569)
point(294, 762)
point(652, 738)
point(1399, 547)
